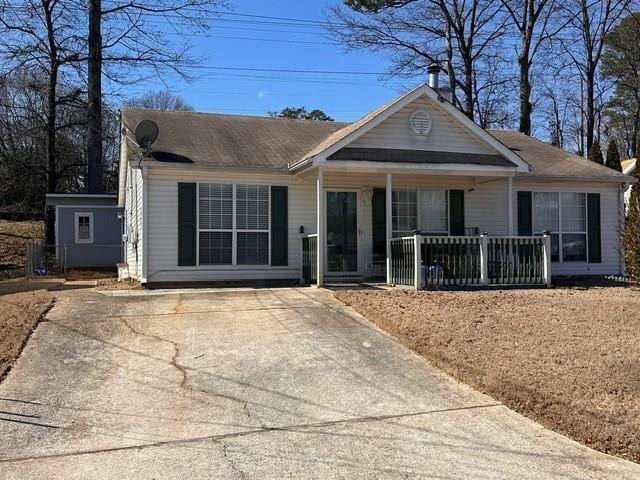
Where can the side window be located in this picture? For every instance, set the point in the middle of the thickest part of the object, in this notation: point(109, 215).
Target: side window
point(84, 227)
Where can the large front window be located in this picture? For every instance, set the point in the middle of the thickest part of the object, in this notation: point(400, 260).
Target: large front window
point(426, 210)
point(233, 216)
point(565, 216)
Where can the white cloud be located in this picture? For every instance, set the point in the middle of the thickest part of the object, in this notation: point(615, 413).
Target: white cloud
point(263, 94)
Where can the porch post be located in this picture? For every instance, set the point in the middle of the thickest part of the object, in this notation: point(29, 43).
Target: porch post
point(484, 259)
point(546, 258)
point(320, 227)
point(510, 204)
point(417, 258)
point(387, 200)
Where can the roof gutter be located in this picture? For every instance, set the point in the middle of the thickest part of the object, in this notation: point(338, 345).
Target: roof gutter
point(616, 179)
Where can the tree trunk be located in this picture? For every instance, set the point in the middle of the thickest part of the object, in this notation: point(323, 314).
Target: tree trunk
point(635, 137)
point(591, 115)
point(468, 88)
point(525, 96)
point(52, 170)
point(94, 97)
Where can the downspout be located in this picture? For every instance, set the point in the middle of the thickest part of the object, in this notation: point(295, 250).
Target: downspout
point(145, 224)
point(621, 222)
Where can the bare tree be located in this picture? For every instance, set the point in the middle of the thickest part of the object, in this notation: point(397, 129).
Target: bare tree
point(125, 46)
point(590, 27)
point(160, 100)
point(537, 24)
point(41, 36)
point(416, 33)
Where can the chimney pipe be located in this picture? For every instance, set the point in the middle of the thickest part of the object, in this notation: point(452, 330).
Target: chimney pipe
point(433, 71)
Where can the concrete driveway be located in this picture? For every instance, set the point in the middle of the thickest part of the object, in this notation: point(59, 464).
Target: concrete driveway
point(273, 383)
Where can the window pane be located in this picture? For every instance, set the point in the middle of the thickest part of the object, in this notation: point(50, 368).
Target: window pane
point(252, 207)
point(574, 247)
point(545, 212)
point(434, 207)
point(216, 204)
point(555, 246)
point(215, 248)
point(84, 227)
point(404, 211)
point(253, 248)
point(574, 212)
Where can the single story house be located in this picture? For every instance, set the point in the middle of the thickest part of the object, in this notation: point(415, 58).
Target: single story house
point(415, 190)
point(88, 232)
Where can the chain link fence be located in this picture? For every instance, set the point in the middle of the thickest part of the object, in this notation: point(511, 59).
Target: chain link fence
point(44, 260)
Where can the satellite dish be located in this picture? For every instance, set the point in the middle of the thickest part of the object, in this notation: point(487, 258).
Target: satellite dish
point(146, 133)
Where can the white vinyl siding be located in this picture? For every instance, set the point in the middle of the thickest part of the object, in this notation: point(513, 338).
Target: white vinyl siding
point(133, 222)
point(486, 207)
point(446, 135)
point(163, 235)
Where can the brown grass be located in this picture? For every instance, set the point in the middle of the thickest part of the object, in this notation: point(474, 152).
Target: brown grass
point(20, 313)
point(567, 358)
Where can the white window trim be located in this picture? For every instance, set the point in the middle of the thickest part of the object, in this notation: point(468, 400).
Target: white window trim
point(234, 230)
point(76, 217)
point(560, 231)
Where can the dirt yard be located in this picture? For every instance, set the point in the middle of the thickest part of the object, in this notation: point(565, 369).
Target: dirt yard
point(13, 239)
point(567, 358)
point(19, 316)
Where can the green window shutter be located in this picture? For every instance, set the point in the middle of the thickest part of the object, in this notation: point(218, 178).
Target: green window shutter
point(187, 224)
point(379, 222)
point(279, 226)
point(456, 212)
point(525, 223)
point(593, 228)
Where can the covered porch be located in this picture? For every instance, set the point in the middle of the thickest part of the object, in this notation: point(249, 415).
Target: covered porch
point(416, 229)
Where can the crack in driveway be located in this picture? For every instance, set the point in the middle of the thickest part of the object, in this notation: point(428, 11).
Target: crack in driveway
point(256, 431)
point(176, 350)
point(231, 463)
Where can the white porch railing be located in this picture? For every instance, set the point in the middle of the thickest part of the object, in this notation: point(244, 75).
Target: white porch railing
point(478, 260)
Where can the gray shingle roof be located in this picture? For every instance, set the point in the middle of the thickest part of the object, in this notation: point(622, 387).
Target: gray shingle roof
point(549, 161)
point(272, 143)
point(230, 140)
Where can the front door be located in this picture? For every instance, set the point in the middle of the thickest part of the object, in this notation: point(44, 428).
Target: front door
point(342, 232)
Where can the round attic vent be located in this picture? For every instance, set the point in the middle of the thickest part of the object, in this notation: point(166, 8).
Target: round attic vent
point(420, 122)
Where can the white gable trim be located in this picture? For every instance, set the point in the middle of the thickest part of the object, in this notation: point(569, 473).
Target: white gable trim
point(460, 117)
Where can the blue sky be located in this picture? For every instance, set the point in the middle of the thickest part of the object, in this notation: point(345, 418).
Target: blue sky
point(272, 44)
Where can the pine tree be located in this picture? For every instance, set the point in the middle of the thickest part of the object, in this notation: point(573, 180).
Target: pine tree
point(613, 156)
point(631, 235)
point(595, 154)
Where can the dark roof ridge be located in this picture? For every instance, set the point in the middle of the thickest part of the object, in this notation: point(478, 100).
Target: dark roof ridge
point(231, 115)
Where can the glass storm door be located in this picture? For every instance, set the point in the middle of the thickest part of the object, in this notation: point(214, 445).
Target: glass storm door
point(342, 231)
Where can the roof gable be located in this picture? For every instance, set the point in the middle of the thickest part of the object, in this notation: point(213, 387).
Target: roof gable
point(446, 134)
point(388, 127)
